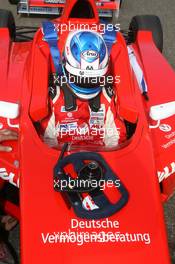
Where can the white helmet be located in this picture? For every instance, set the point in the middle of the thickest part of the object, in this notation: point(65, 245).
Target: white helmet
point(85, 62)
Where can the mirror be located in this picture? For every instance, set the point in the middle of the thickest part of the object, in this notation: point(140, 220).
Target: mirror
point(9, 110)
point(162, 111)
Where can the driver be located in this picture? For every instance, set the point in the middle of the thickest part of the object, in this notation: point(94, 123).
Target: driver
point(83, 105)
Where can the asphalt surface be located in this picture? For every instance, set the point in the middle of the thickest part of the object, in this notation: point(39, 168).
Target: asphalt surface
point(166, 11)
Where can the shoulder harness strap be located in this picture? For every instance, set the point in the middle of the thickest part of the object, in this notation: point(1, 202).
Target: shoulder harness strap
point(69, 98)
point(110, 37)
point(51, 37)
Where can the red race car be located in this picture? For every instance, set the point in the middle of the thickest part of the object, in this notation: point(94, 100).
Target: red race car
point(122, 222)
point(106, 8)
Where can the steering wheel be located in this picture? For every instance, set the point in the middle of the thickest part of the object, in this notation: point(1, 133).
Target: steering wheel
point(104, 208)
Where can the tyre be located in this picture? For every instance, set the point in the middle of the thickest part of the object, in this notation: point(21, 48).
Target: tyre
point(13, 2)
point(115, 14)
point(148, 23)
point(7, 21)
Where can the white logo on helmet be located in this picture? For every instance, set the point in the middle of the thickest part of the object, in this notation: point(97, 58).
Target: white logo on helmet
point(90, 55)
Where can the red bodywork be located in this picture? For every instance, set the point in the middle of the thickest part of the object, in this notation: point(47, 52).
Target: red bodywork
point(24, 72)
point(100, 4)
point(51, 7)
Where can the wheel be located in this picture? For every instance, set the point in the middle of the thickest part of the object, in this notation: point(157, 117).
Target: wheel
point(149, 23)
point(14, 2)
point(7, 21)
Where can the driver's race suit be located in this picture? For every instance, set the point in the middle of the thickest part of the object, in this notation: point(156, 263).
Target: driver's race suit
point(83, 126)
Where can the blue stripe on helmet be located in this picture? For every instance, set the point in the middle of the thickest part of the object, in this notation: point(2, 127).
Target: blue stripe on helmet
point(82, 90)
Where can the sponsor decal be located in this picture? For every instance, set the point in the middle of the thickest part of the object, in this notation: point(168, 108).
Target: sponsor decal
point(54, 1)
point(83, 138)
point(89, 68)
point(9, 177)
point(97, 121)
point(165, 128)
point(69, 114)
point(68, 126)
point(81, 73)
point(97, 118)
point(171, 140)
point(169, 144)
point(89, 54)
point(171, 135)
point(89, 204)
point(167, 172)
point(83, 129)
